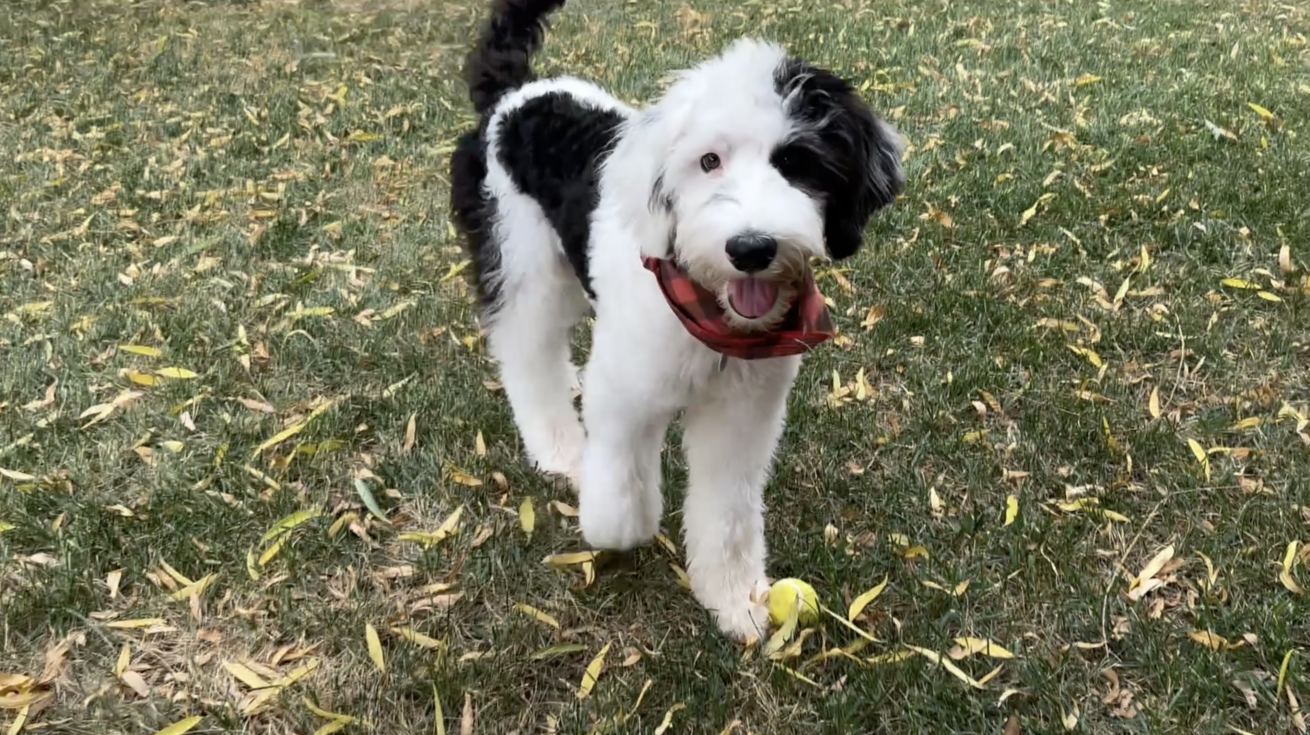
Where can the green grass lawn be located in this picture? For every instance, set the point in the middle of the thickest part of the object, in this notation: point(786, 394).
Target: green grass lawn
point(231, 295)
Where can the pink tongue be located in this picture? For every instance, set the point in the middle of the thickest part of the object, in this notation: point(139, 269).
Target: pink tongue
point(751, 297)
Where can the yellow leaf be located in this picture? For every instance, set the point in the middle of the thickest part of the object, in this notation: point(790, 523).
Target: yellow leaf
point(440, 717)
point(1268, 296)
point(1085, 79)
point(1246, 424)
point(137, 623)
point(1153, 405)
point(142, 350)
point(859, 603)
point(539, 615)
point(195, 588)
point(16, 476)
point(418, 639)
point(1285, 259)
point(1265, 115)
point(889, 658)
point(124, 659)
point(946, 663)
point(1123, 290)
point(1011, 509)
point(245, 675)
point(966, 647)
point(292, 430)
point(336, 725)
point(1282, 673)
point(324, 713)
point(463, 478)
point(176, 373)
point(455, 270)
point(1197, 450)
point(564, 560)
point(288, 523)
point(272, 551)
point(1136, 588)
point(667, 722)
point(527, 516)
point(848, 624)
point(1091, 356)
point(1208, 639)
point(180, 727)
point(1238, 283)
point(374, 647)
point(915, 552)
point(410, 431)
point(592, 673)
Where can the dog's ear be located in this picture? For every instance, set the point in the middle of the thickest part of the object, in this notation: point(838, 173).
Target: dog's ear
point(636, 178)
point(874, 176)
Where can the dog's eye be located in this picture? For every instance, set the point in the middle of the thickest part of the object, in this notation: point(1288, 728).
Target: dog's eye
point(709, 162)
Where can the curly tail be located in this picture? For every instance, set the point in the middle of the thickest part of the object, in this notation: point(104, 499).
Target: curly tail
point(501, 62)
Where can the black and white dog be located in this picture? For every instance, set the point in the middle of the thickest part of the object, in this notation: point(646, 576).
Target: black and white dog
point(751, 164)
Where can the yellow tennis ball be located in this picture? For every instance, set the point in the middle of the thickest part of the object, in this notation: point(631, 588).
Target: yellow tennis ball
point(791, 594)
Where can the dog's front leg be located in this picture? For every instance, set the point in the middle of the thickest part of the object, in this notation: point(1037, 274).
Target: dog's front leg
point(729, 442)
point(619, 500)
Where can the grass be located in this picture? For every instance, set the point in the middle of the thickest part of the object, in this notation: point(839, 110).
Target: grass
point(1100, 259)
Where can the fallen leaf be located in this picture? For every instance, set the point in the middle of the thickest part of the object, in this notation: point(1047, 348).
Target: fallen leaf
point(438, 715)
point(419, 639)
point(1011, 509)
point(559, 649)
point(592, 673)
point(527, 516)
point(176, 373)
point(570, 559)
point(965, 647)
point(1139, 587)
point(859, 603)
point(946, 663)
point(374, 647)
point(245, 675)
point(1208, 639)
point(288, 523)
point(539, 615)
point(1153, 404)
point(180, 727)
point(136, 623)
point(668, 718)
point(134, 681)
point(410, 428)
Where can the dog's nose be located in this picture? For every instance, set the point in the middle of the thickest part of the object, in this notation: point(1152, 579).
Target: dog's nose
point(751, 252)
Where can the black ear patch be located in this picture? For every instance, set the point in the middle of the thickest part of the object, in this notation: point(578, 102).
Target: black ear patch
point(842, 153)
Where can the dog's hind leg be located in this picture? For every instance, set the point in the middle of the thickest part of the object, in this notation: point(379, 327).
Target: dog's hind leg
point(529, 334)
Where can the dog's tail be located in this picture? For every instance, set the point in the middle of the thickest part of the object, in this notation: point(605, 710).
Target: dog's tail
point(501, 62)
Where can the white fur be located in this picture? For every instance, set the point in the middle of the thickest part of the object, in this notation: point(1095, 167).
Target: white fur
point(645, 368)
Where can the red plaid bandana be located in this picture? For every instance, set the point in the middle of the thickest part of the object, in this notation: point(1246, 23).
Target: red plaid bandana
point(806, 326)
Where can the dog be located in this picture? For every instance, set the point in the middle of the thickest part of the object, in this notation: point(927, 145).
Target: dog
point(687, 229)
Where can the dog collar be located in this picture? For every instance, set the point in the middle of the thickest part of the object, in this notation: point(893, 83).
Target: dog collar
point(805, 326)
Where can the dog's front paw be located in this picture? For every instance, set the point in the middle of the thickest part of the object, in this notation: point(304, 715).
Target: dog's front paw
point(741, 615)
point(615, 521)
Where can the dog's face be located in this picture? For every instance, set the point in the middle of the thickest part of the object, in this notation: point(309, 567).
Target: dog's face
point(767, 162)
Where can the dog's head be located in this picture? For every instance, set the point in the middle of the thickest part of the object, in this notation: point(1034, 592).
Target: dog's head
point(751, 164)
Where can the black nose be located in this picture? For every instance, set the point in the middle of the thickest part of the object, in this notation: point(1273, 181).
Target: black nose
point(751, 252)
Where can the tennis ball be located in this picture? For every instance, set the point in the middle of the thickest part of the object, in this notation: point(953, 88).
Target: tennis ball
point(791, 594)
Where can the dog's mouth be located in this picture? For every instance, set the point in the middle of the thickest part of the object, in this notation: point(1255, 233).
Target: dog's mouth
point(752, 298)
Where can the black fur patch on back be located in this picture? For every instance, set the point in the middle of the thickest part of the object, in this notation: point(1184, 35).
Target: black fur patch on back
point(473, 210)
point(553, 146)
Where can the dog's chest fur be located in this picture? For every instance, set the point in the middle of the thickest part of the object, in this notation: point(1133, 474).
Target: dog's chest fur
point(552, 146)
